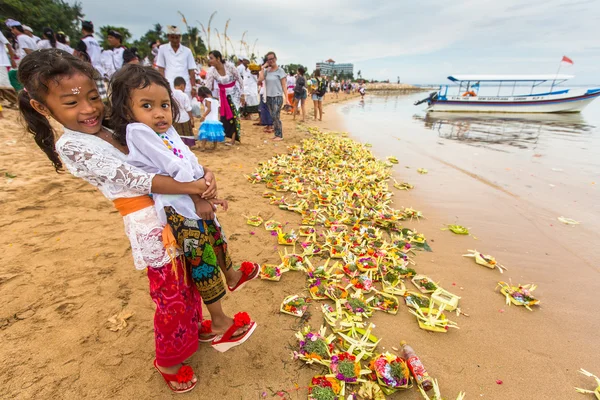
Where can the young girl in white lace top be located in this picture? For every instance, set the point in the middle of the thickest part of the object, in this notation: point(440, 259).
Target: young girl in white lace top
point(60, 86)
point(142, 115)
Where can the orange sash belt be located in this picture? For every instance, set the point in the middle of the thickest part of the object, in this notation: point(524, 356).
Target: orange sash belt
point(129, 205)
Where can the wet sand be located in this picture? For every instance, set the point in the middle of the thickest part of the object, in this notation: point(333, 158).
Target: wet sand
point(67, 268)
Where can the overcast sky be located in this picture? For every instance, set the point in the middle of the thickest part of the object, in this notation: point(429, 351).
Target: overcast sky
point(420, 41)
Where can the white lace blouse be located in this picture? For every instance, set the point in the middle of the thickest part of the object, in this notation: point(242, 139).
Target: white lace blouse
point(101, 164)
point(164, 154)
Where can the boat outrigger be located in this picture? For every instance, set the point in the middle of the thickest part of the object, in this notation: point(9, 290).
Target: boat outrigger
point(469, 99)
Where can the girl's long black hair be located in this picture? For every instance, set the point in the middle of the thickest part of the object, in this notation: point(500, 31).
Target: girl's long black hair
point(123, 82)
point(49, 33)
point(35, 72)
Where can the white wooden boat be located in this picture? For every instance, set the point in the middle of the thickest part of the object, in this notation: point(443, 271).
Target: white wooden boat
point(469, 95)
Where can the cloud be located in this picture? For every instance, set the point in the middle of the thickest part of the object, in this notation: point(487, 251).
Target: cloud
point(468, 34)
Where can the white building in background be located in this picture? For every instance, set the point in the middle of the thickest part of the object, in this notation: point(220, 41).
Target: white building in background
point(330, 68)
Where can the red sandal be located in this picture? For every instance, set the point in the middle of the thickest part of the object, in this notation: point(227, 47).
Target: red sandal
point(226, 341)
point(206, 329)
point(184, 374)
point(249, 271)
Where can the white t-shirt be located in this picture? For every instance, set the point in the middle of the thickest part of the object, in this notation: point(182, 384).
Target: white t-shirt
point(45, 44)
point(112, 60)
point(184, 104)
point(24, 42)
point(214, 109)
point(291, 84)
point(4, 57)
point(176, 64)
point(95, 52)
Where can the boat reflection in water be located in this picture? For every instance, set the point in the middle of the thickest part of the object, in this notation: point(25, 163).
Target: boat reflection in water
point(516, 130)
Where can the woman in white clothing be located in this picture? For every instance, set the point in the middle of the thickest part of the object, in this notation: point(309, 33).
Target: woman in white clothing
point(231, 89)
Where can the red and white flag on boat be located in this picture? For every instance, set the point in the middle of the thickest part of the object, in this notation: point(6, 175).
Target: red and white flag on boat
point(567, 60)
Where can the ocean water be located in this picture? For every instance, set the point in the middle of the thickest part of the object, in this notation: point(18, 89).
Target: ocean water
point(550, 160)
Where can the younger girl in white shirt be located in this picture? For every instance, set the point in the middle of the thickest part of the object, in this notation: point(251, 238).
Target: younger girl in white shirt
point(143, 115)
point(211, 129)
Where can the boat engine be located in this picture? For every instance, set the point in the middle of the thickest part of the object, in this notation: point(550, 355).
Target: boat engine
point(429, 99)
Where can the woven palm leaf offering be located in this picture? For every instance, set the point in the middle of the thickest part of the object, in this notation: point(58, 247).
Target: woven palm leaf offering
point(309, 217)
point(325, 387)
point(320, 271)
point(416, 300)
point(272, 225)
point(384, 302)
point(336, 318)
point(367, 264)
point(359, 341)
point(271, 272)
point(294, 305)
point(254, 220)
point(318, 289)
point(422, 171)
point(443, 297)
point(363, 282)
point(485, 260)
point(336, 292)
point(424, 283)
point(307, 230)
point(392, 372)
point(392, 159)
point(392, 284)
point(411, 213)
point(287, 238)
point(338, 251)
point(350, 268)
point(403, 185)
point(457, 229)
point(292, 261)
point(268, 194)
point(346, 368)
point(314, 347)
point(277, 200)
point(519, 295)
point(433, 319)
point(595, 392)
point(356, 306)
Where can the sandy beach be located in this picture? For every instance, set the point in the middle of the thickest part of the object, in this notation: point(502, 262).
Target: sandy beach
point(67, 268)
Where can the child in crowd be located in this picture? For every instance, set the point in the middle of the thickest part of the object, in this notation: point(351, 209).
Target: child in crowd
point(184, 125)
point(60, 86)
point(143, 119)
point(211, 129)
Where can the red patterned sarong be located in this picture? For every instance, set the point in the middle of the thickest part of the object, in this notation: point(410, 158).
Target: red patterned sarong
point(178, 311)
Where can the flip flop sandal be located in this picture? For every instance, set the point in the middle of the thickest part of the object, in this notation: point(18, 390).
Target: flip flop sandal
point(206, 330)
point(249, 272)
point(184, 374)
point(227, 340)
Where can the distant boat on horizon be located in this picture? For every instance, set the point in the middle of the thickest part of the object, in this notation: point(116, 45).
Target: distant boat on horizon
point(468, 98)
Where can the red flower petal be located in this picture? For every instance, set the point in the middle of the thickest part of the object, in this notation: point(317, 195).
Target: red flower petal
point(247, 268)
point(185, 374)
point(241, 319)
point(499, 381)
point(206, 326)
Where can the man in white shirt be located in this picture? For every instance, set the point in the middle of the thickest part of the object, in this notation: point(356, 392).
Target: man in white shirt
point(241, 67)
point(112, 59)
point(29, 32)
point(250, 89)
point(174, 59)
point(90, 46)
point(25, 44)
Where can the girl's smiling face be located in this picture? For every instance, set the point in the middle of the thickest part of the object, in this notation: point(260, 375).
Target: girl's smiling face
point(152, 106)
point(74, 102)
